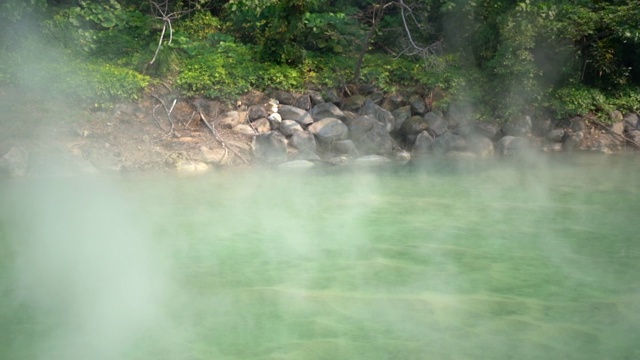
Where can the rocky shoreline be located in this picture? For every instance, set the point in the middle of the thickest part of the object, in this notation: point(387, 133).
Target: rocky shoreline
point(190, 136)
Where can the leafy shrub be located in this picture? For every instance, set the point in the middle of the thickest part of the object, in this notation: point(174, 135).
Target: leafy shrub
point(582, 100)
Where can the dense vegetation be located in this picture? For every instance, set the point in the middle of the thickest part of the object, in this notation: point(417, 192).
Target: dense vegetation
point(506, 57)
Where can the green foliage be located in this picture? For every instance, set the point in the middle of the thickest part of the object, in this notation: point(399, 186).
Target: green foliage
point(199, 26)
point(582, 100)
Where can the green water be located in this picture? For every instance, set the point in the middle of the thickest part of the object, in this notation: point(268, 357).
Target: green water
point(521, 259)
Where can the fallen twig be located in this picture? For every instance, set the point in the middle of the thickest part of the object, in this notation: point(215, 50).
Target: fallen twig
point(217, 136)
point(633, 143)
point(167, 111)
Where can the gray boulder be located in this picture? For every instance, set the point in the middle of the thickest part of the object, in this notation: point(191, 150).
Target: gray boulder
point(327, 110)
point(288, 127)
point(393, 101)
point(298, 115)
point(512, 145)
point(573, 141)
point(383, 116)
point(361, 125)
point(436, 124)
point(555, 135)
point(303, 102)
point(316, 97)
point(422, 145)
point(304, 142)
point(296, 165)
point(518, 127)
point(418, 107)
point(262, 125)
point(270, 147)
point(413, 126)
point(345, 147)
point(375, 141)
point(632, 121)
point(230, 119)
point(401, 115)
point(371, 160)
point(480, 145)
point(329, 130)
point(257, 112)
point(449, 142)
point(353, 103)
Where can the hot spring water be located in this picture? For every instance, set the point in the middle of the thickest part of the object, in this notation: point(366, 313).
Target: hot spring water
point(522, 259)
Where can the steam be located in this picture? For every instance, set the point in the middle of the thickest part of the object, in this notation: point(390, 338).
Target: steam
point(86, 264)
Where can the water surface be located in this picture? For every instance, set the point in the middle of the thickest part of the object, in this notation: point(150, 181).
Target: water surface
point(509, 259)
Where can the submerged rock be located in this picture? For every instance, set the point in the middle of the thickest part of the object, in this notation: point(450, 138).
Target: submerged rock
point(372, 160)
point(297, 164)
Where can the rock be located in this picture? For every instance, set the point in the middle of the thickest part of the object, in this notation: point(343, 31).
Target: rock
point(518, 127)
point(298, 115)
point(371, 160)
point(213, 156)
point(436, 124)
point(375, 141)
point(403, 156)
point(422, 145)
point(634, 135)
point(401, 115)
point(262, 125)
point(376, 97)
point(615, 115)
point(631, 121)
point(480, 145)
point(361, 125)
point(511, 145)
point(331, 95)
point(394, 101)
point(338, 160)
point(230, 119)
point(244, 129)
point(345, 147)
point(418, 107)
point(296, 165)
point(448, 142)
point(288, 127)
point(367, 89)
point(303, 102)
point(329, 130)
point(381, 115)
point(257, 112)
point(541, 127)
point(327, 110)
point(487, 129)
point(304, 141)
point(275, 120)
point(316, 97)
point(573, 141)
point(555, 135)
point(413, 126)
point(618, 127)
point(270, 147)
point(577, 124)
point(554, 147)
point(459, 113)
point(190, 167)
point(353, 103)
point(15, 162)
point(283, 97)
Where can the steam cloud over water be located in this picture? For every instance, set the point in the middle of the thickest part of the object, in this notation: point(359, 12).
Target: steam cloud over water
point(86, 268)
point(531, 259)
